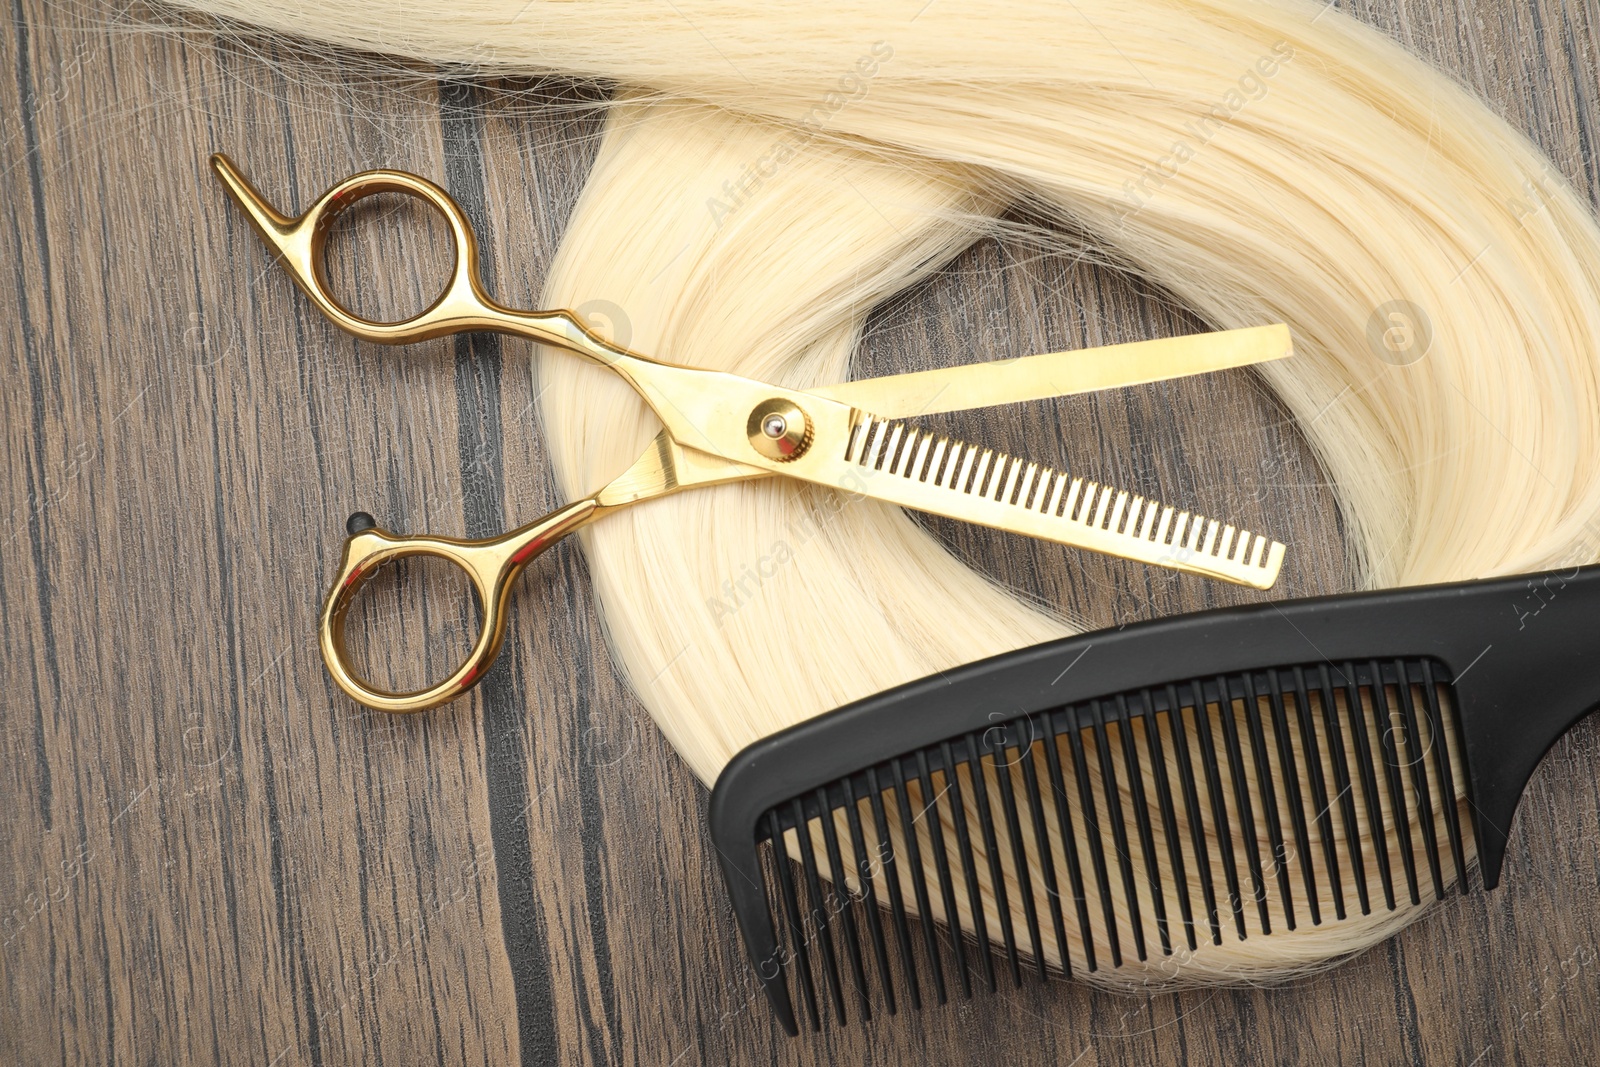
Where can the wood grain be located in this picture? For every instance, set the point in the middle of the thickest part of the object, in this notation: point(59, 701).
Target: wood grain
point(207, 856)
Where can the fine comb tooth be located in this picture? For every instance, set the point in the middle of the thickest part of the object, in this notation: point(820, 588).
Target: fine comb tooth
point(969, 866)
point(1442, 747)
point(1355, 710)
point(1383, 719)
point(1294, 774)
point(1019, 849)
point(841, 895)
point(1321, 805)
point(865, 869)
point(1069, 844)
point(791, 911)
point(1193, 815)
point(1245, 808)
point(1140, 801)
point(1178, 870)
point(1047, 862)
point(1112, 795)
point(991, 849)
point(891, 873)
point(1268, 798)
point(1219, 804)
point(1419, 775)
point(819, 908)
point(919, 878)
point(941, 863)
point(1010, 493)
point(1343, 786)
point(1097, 852)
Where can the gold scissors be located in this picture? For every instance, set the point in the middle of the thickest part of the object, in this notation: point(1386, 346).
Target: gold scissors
point(721, 428)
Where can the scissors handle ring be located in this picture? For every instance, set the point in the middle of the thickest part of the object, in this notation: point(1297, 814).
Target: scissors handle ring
point(491, 565)
point(301, 242)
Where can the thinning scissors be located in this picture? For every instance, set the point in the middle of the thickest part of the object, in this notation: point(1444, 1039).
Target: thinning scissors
point(720, 428)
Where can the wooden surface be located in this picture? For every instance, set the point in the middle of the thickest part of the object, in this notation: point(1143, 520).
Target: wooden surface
point(207, 856)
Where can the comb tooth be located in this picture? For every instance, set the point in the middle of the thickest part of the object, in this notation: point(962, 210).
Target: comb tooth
point(1219, 805)
point(1418, 767)
point(941, 866)
point(870, 428)
point(1058, 487)
point(872, 442)
point(1193, 816)
point(1225, 543)
point(1343, 786)
point(891, 449)
point(1047, 862)
point(991, 848)
point(981, 473)
point(841, 896)
point(1419, 776)
point(1291, 798)
point(1103, 505)
point(791, 911)
point(1312, 750)
point(1004, 475)
point(1140, 801)
point(1024, 494)
point(969, 867)
point(964, 472)
point(1357, 711)
point(900, 453)
point(919, 463)
point(1147, 527)
point(1169, 822)
point(1069, 845)
point(1019, 849)
point(1241, 796)
point(819, 908)
point(1074, 495)
point(1119, 511)
point(1009, 483)
point(1180, 530)
point(1262, 761)
point(1119, 830)
point(1097, 852)
point(865, 872)
point(1164, 525)
point(936, 461)
point(919, 878)
point(891, 874)
point(854, 440)
point(1384, 718)
point(957, 459)
point(1440, 737)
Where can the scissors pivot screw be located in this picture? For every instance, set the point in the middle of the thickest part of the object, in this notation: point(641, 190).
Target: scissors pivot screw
point(779, 430)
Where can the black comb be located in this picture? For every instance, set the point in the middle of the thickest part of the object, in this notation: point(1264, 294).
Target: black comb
point(1301, 761)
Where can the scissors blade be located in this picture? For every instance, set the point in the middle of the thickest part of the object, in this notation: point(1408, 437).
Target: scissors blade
point(663, 467)
point(1014, 381)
